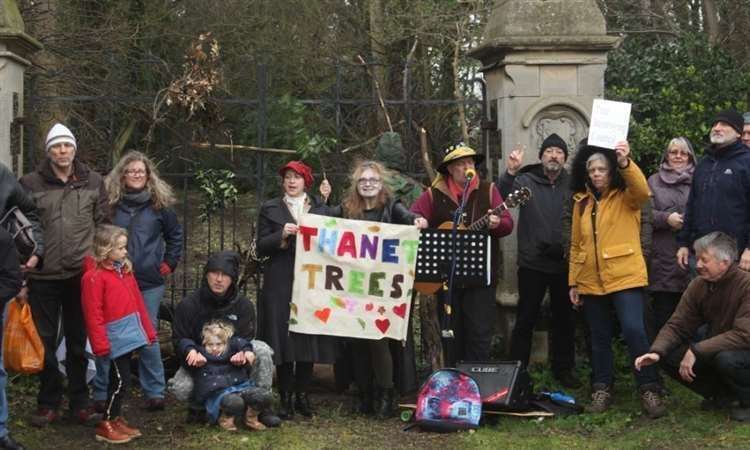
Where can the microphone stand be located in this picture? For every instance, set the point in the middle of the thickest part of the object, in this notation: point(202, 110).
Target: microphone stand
point(447, 332)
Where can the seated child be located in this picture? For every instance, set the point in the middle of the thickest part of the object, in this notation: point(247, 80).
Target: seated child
point(222, 383)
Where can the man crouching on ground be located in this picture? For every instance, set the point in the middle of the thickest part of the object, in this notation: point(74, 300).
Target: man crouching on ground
point(716, 366)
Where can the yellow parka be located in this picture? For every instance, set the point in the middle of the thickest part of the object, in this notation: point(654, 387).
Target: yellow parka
point(605, 246)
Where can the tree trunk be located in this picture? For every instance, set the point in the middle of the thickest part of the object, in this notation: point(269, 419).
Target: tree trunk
point(377, 47)
point(711, 21)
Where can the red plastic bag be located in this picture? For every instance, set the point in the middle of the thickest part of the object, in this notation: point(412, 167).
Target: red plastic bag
point(23, 351)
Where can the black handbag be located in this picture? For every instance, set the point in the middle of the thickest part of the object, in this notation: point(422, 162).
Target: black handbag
point(22, 232)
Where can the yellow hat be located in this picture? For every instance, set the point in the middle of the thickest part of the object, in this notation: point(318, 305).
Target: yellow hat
point(458, 151)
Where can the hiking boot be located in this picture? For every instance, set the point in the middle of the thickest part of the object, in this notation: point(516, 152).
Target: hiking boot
point(568, 379)
point(86, 416)
point(302, 404)
point(384, 407)
point(269, 419)
point(44, 417)
point(106, 431)
point(286, 409)
point(122, 426)
point(227, 422)
point(251, 420)
point(651, 401)
point(601, 399)
point(154, 404)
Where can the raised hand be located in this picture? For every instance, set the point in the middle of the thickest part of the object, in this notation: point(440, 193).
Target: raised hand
point(515, 160)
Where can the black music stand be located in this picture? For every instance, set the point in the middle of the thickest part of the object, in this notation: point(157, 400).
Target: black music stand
point(472, 257)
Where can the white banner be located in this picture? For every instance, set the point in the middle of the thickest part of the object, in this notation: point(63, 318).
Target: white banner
point(353, 278)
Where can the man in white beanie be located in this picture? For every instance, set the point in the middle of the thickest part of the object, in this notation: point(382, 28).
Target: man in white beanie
point(72, 201)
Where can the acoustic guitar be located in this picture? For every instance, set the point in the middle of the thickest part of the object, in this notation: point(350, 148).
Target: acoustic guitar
point(517, 198)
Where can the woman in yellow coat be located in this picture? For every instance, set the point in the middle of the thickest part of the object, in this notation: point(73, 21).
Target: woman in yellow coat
point(607, 270)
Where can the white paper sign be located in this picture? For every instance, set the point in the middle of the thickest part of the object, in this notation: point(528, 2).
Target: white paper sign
point(609, 123)
point(353, 278)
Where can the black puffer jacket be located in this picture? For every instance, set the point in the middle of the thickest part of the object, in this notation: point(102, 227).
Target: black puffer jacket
point(13, 194)
point(219, 373)
point(10, 276)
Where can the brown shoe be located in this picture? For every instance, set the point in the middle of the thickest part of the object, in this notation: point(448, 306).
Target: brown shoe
point(651, 401)
point(601, 399)
point(227, 422)
point(106, 431)
point(43, 417)
point(122, 426)
point(251, 420)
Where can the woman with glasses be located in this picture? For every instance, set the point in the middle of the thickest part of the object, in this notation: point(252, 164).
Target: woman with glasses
point(140, 202)
point(670, 187)
point(368, 199)
point(294, 353)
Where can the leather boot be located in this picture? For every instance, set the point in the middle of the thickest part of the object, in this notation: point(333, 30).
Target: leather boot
point(286, 409)
point(363, 405)
point(106, 431)
point(384, 403)
point(302, 404)
point(125, 428)
point(251, 420)
point(227, 422)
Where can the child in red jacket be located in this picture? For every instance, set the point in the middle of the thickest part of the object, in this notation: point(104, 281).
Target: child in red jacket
point(116, 322)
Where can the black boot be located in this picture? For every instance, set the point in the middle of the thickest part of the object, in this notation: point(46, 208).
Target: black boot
point(302, 404)
point(363, 405)
point(286, 409)
point(384, 403)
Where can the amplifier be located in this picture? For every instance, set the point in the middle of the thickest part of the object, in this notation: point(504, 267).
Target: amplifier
point(502, 384)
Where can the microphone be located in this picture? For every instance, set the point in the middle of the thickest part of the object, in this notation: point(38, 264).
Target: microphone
point(470, 173)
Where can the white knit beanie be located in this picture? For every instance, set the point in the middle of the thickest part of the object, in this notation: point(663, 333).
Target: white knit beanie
point(60, 133)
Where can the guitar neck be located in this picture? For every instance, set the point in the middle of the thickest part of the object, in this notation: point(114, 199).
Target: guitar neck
point(482, 223)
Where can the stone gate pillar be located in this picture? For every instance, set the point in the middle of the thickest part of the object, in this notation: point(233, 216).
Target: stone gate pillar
point(15, 47)
point(543, 63)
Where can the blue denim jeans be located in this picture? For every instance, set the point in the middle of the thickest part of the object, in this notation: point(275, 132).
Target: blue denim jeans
point(628, 306)
point(150, 366)
point(3, 382)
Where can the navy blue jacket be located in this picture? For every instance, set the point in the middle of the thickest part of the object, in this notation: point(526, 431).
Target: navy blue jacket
point(148, 232)
point(719, 198)
point(219, 373)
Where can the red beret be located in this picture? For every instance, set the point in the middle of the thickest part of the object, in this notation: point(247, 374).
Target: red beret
point(301, 168)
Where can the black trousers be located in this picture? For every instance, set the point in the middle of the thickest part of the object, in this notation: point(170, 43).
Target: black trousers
point(119, 383)
point(294, 376)
point(532, 285)
point(661, 306)
point(473, 324)
point(48, 299)
point(372, 362)
point(727, 374)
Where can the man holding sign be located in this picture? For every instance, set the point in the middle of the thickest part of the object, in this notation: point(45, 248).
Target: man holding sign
point(474, 309)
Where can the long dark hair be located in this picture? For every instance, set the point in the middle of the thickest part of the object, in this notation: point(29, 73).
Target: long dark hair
point(579, 179)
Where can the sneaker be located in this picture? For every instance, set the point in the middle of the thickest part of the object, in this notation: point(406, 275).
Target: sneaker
point(568, 379)
point(154, 404)
point(122, 426)
point(43, 417)
point(106, 431)
point(601, 399)
point(651, 402)
point(87, 416)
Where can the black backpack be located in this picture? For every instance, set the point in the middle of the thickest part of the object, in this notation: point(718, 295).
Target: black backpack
point(21, 230)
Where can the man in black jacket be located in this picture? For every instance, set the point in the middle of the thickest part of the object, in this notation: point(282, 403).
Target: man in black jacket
point(12, 194)
point(218, 298)
point(541, 264)
point(720, 194)
point(10, 284)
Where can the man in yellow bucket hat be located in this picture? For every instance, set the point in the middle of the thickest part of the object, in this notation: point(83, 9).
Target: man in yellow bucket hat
point(473, 308)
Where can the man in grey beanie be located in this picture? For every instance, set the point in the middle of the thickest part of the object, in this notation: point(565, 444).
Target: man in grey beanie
point(72, 201)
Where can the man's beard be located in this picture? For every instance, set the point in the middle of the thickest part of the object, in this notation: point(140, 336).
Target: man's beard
point(718, 139)
point(552, 166)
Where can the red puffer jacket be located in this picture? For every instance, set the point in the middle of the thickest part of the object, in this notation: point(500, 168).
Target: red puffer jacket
point(108, 300)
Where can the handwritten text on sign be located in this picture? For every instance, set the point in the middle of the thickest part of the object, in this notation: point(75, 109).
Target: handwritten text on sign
point(353, 278)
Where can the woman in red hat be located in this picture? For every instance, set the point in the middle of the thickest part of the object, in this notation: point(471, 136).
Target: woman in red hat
point(294, 353)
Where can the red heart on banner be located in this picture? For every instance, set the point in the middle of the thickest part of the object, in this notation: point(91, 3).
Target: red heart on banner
point(400, 310)
point(323, 314)
point(369, 306)
point(383, 325)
